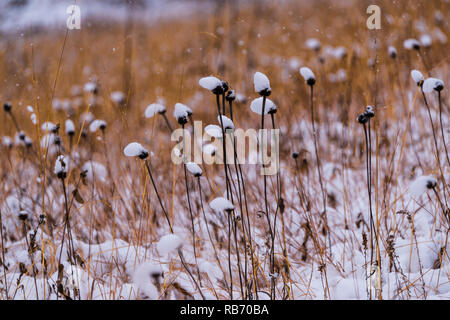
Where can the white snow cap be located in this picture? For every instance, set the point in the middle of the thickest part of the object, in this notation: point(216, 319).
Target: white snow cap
point(417, 76)
point(30, 109)
point(209, 149)
point(214, 131)
point(411, 44)
point(33, 118)
point(86, 117)
point(421, 184)
point(313, 44)
point(118, 97)
point(145, 275)
point(210, 83)
point(70, 127)
point(48, 126)
point(153, 109)
point(392, 51)
point(169, 243)
point(221, 204)
point(47, 140)
point(194, 168)
point(261, 82)
point(96, 124)
point(135, 149)
point(425, 40)
point(90, 87)
point(431, 84)
point(256, 106)
point(308, 75)
point(339, 52)
point(95, 170)
point(181, 112)
point(227, 123)
point(60, 165)
point(7, 141)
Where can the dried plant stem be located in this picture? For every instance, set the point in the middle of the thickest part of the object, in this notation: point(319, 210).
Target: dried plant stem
point(157, 195)
point(190, 207)
point(3, 256)
point(438, 157)
point(442, 128)
point(322, 188)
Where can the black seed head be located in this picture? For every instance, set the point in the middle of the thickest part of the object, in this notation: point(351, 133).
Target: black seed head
point(23, 215)
point(311, 82)
point(431, 184)
point(231, 96)
point(363, 118)
point(295, 154)
point(182, 120)
point(265, 92)
point(439, 87)
point(7, 106)
point(218, 90)
point(369, 112)
point(225, 86)
point(143, 155)
point(55, 129)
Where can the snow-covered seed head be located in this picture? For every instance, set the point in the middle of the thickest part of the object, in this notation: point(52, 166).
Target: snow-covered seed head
point(148, 269)
point(370, 112)
point(431, 84)
point(262, 84)
point(23, 215)
point(135, 149)
point(214, 131)
point(421, 185)
point(313, 44)
point(411, 44)
point(153, 109)
point(97, 124)
point(425, 40)
point(50, 127)
point(231, 96)
point(28, 142)
point(61, 167)
point(225, 86)
point(257, 104)
point(70, 127)
point(169, 243)
point(227, 123)
point(363, 118)
point(181, 113)
point(221, 205)
point(308, 75)
point(91, 87)
point(7, 106)
point(7, 142)
point(392, 52)
point(118, 97)
point(212, 84)
point(194, 168)
point(22, 135)
point(210, 149)
point(417, 76)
